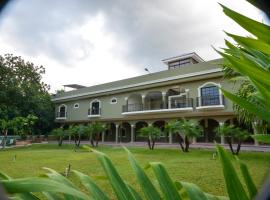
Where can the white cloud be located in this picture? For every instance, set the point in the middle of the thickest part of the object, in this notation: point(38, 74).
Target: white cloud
point(92, 42)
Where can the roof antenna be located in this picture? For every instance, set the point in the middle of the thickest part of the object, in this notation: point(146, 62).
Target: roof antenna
point(146, 69)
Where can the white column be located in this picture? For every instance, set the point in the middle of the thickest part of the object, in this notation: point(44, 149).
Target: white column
point(194, 140)
point(222, 139)
point(143, 101)
point(255, 130)
point(116, 132)
point(164, 99)
point(170, 137)
point(132, 133)
point(103, 136)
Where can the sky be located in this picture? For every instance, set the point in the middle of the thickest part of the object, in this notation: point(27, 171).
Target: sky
point(90, 42)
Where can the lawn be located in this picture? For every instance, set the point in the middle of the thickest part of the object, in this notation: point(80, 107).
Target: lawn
point(197, 166)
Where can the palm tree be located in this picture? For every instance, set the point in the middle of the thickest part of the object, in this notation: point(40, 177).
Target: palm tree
point(94, 131)
point(188, 128)
point(152, 133)
point(77, 131)
point(60, 134)
point(232, 133)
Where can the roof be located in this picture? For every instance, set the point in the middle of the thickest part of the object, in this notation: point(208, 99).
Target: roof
point(74, 86)
point(193, 55)
point(148, 79)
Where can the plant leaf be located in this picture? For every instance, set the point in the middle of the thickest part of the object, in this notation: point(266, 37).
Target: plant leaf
point(234, 186)
point(147, 187)
point(91, 186)
point(166, 184)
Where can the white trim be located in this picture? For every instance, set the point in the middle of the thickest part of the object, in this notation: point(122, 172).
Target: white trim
point(75, 105)
point(91, 116)
point(213, 107)
point(210, 83)
point(99, 108)
point(175, 96)
point(187, 109)
point(112, 100)
point(62, 105)
point(171, 78)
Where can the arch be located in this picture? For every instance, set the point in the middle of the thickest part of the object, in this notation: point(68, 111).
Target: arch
point(153, 100)
point(113, 100)
point(125, 132)
point(95, 107)
point(209, 126)
point(208, 100)
point(110, 133)
point(138, 126)
point(161, 125)
point(134, 103)
point(62, 111)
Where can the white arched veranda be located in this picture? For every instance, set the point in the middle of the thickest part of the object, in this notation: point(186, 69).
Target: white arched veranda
point(95, 108)
point(209, 100)
point(62, 111)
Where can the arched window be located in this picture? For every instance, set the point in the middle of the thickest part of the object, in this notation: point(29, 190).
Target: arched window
point(209, 94)
point(62, 112)
point(95, 107)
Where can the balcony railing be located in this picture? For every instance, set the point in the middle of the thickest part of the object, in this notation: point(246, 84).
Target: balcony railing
point(182, 103)
point(94, 112)
point(60, 115)
point(210, 100)
point(132, 107)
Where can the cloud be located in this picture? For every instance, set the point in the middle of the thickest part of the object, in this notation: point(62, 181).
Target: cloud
point(103, 40)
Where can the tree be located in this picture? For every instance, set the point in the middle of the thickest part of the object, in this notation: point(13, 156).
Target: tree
point(5, 125)
point(188, 128)
point(24, 125)
point(94, 131)
point(22, 92)
point(77, 131)
point(60, 133)
point(152, 133)
point(232, 133)
point(249, 57)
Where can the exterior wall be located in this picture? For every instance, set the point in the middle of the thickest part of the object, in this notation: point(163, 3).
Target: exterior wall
point(114, 111)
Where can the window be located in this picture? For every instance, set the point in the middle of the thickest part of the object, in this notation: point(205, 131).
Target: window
point(76, 105)
point(94, 108)
point(210, 96)
point(179, 63)
point(62, 111)
point(113, 100)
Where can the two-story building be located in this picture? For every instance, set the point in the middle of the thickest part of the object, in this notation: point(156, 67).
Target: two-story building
point(189, 88)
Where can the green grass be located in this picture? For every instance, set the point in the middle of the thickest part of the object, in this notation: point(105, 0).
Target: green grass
point(197, 166)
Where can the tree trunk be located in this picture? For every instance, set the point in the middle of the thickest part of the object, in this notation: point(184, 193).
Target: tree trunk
point(186, 144)
point(238, 147)
point(180, 141)
point(149, 143)
point(153, 144)
point(60, 141)
point(231, 147)
point(4, 142)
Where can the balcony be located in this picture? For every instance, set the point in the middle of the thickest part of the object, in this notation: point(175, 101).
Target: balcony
point(210, 102)
point(61, 115)
point(179, 105)
point(94, 112)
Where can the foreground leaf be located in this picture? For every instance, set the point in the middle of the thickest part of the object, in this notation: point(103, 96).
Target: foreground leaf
point(234, 186)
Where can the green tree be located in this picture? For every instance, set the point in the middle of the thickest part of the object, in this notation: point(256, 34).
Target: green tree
point(152, 133)
point(5, 126)
point(185, 130)
point(233, 134)
point(60, 133)
point(77, 131)
point(249, 57)
point(94, 131)
point(22, 92)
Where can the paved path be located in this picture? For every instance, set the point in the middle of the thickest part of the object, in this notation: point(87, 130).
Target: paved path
point(244, 147)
